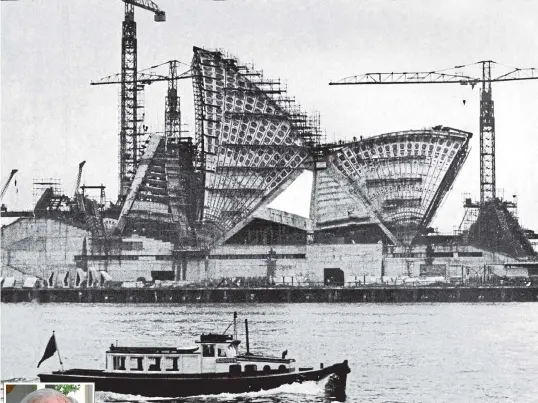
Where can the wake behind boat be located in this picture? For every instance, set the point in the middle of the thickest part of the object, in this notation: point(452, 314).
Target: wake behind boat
point(215, 366)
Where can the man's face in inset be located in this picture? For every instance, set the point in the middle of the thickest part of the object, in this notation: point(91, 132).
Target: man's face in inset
point(52, 399)
point(46, 396)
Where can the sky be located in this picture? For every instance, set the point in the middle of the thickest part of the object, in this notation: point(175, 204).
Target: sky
point(51, 118)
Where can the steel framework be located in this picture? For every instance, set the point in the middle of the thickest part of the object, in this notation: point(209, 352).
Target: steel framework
point(487, 116)
point(172, 116)
point(252, 141)
point(129, 147)
point(394, 181)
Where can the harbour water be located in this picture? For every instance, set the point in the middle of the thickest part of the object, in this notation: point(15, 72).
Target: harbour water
point(397, 352)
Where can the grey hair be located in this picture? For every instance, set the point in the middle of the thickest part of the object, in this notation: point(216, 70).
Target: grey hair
point(43, 394)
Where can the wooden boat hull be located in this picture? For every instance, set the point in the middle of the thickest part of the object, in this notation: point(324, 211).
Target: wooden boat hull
point(160, 385)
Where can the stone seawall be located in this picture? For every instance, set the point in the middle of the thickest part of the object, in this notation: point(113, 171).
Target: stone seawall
point(273, 295)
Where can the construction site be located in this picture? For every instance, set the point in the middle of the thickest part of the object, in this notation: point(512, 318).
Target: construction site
point(193, 212)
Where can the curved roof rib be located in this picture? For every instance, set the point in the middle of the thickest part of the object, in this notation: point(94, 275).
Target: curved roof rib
point(252, 141)
point(401, 177)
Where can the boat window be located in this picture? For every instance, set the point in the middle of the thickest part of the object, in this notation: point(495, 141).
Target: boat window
point(208, 350)
point(118, 363)
point(250, 368)
point(235, 369)
point(221, 352)
point(136, 363)
point(171, 364)
point(154, 363)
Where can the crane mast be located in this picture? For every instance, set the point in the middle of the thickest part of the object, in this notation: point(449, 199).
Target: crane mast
point(487, 137)
point(129, 147)
point(172, 115)
point(487, 115)
point(128, 131)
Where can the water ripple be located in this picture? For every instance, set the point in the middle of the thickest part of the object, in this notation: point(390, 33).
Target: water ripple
point(397, 352)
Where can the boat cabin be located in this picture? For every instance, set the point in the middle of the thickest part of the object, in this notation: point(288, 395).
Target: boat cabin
point(216, 353)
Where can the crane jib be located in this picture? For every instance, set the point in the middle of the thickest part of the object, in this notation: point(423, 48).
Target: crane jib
point(146, 5)
point(463, 82)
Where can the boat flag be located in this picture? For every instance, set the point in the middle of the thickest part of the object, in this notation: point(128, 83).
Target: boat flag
point(49, 350)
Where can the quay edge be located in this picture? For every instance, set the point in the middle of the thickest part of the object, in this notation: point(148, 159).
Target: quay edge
point(400, 294)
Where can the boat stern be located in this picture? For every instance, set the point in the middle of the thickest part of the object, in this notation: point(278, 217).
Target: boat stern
point(335, 387)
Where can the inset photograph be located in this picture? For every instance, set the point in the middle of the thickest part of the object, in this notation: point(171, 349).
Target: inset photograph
point(49, 393)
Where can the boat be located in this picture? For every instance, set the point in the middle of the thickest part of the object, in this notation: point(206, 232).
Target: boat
point(214, 366)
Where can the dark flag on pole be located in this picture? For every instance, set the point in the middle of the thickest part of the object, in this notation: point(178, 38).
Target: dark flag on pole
point(49, 350)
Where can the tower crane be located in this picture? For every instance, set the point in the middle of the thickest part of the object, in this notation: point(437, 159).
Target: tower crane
point(129, 149)
point(172, 110)
point(6, 185)
point(487, 116)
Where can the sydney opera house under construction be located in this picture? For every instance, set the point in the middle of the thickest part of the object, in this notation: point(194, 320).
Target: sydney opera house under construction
point(196, 210)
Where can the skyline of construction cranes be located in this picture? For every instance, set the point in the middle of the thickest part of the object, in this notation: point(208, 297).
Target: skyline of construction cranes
point(74, 122)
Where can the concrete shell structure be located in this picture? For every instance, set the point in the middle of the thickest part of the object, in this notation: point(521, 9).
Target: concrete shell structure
point(393, 182)
point(198, 211)
point(159, 203)
point(252, 141)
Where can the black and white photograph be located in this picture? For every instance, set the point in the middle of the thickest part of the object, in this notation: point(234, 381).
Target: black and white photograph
point(268, 201)
point(48, 393)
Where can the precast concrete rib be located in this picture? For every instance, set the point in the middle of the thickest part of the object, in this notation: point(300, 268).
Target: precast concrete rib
point(400, 178)
point(250, 146)
point(137, 180)
point(253, 213)
point(356, 192)
point(241, 128)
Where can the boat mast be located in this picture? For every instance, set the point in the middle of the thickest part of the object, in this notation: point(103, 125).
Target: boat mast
point(246, 335)
point(235, 325)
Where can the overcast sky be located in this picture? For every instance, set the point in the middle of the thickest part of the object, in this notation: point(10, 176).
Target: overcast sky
point(51, 49)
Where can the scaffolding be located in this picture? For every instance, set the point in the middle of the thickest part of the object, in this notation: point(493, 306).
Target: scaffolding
point(497, 230)
point(133, 134)
point(160, 202)
point(395, 180)
point(470, 215)
point(252, 138)
point(40, 185)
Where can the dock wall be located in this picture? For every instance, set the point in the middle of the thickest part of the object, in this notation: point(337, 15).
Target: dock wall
point(274, 295)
